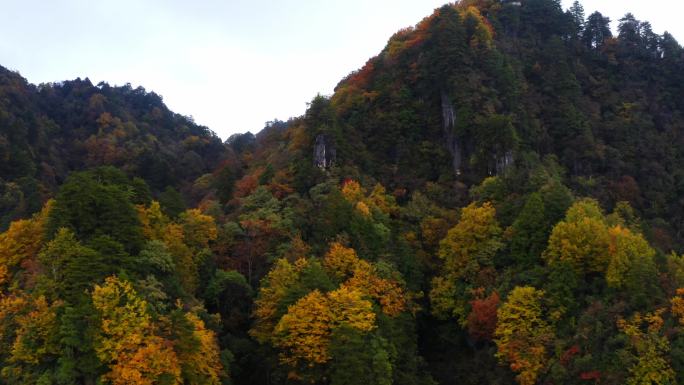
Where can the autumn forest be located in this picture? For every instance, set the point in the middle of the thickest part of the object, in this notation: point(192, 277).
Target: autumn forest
point(497, 197)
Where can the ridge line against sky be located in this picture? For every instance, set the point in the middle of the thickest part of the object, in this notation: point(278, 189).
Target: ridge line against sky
point(232, 65)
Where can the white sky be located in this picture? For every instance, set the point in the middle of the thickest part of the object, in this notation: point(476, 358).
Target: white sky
point(232, 64)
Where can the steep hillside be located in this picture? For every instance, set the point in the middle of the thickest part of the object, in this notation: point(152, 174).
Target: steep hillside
point(496, 88)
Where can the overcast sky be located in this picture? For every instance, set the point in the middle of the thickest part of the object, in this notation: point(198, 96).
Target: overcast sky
point(232, 64)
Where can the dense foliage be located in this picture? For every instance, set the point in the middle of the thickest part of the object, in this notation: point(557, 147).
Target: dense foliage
point(52, 129)
point(494, 198)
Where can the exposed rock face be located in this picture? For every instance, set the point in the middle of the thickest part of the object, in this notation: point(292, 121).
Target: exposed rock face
point(449, 120)
point(498, 163)
point(324, 152)
point(501, 163)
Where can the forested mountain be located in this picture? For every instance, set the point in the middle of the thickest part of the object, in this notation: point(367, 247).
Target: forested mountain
point(496, 198)
point(52, 129)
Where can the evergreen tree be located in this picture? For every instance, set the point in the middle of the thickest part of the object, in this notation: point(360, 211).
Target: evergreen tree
point(530, 232)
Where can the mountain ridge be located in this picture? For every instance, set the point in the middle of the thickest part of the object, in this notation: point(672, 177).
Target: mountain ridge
point(496, 197)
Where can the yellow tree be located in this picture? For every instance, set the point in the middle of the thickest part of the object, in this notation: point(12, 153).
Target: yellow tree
point(29, 339)
point(582, 239)
point(445, 300)
point(199, 229)
point(153, 221)
point(4, 275)
point(472, 243)
point(649, 350)
point(304, 332)
point(273, 289)
point(467, 248)
point(522, 334)
point(348, 307)
point(677, 303)
point(184, 258)
point(20, 244)
point(35, 333)
point(627, 250)
point(479, 31)
point(352, 191)
point(343, 263)
point(388, 292)
point(383, 201)
point(340, 261)
point(201, 365)
point(126, 340)
point(10, 307)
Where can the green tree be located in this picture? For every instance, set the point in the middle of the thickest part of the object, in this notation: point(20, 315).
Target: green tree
point(229, 295)
point(172, 202)
point(71, 268)
point(596, 31)
point(92, 206)
point(577, 13)
point(529, 232)
point(359, 358)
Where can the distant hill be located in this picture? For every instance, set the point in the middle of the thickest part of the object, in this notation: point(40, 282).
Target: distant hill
point(52, 129)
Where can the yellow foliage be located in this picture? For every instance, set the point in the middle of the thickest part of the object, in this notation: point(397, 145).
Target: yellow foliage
point(184, 258)
point(352, 191)
point(205, 361)
point(363, 208)
point(583, 243)
point(444, 300)
point(35, 332)
point(126, 340)
point(304, 332)
point(124, 316)
point(10, 306)
point(481, 33)
point(472, 242)
point(678, 306)
point(199, 229)
point(183, 241)
point(584, 208)
point(153, 221)
point(24, 239)
point(377, 201)
point(468, 247)
point(650, 349)
point(380, 199)
point(28, 329)
point(4, 275)
point(348, 307)
point(388, 293)
point(626, 249)
point(273, 288)
point(522, 334)
point(145, 364)
point(340, 261)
